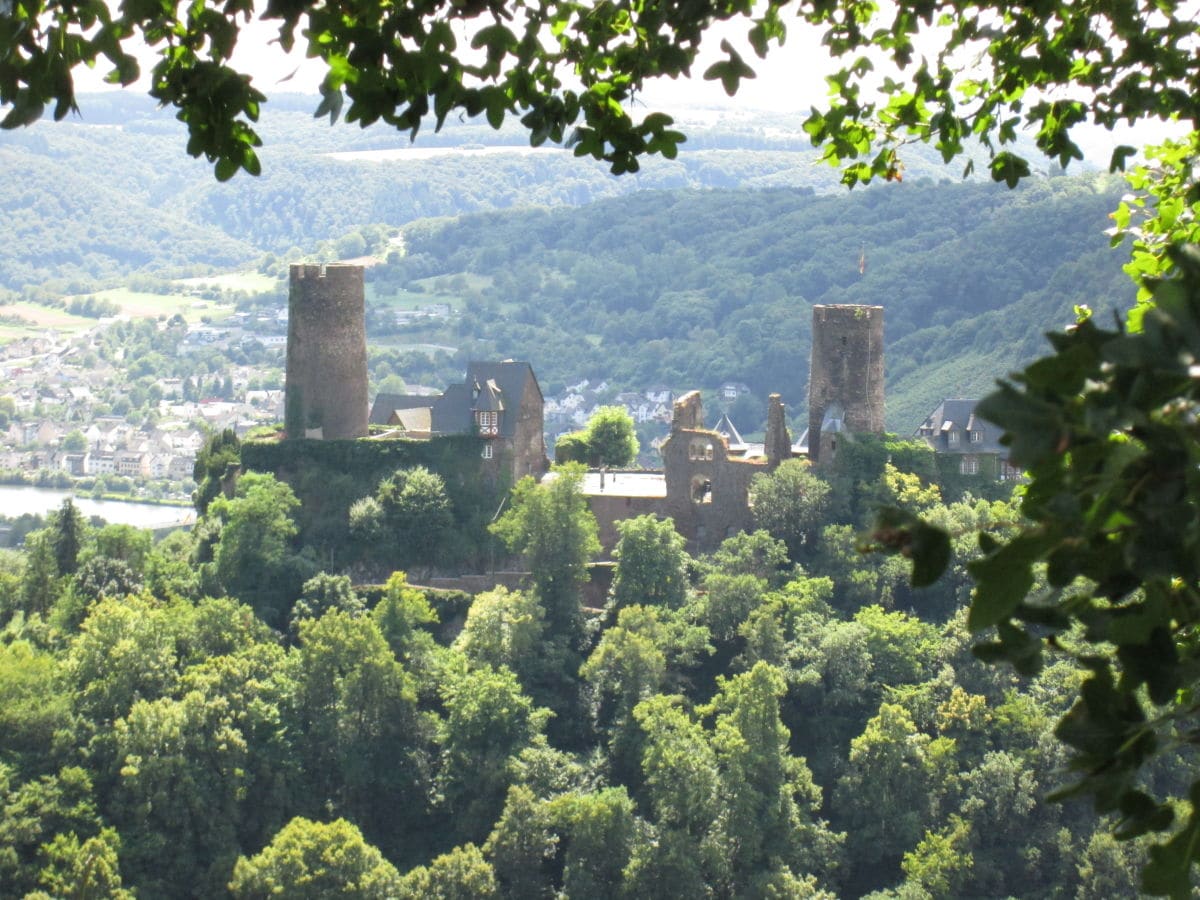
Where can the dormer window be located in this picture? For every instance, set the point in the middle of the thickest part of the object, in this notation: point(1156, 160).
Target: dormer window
point(952, 437)
point(976, 437)
point(488, 422)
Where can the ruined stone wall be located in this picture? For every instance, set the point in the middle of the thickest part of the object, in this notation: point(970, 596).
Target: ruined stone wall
point(611, 509)
point(326, 382)
point(847, 369)
point(707, 492)
point(777, 443)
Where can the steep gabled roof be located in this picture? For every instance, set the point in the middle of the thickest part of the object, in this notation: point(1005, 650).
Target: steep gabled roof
point(511, 377)
point(489, 397)
point(957, 416)
point(452, 410)
point(386, 404)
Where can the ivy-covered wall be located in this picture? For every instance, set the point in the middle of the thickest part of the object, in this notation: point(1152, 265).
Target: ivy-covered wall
point(329, 476)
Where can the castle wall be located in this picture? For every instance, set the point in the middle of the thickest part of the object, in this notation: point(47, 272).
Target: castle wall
point(611, 509)
point(846, 369)
point(326, 381)
point(529, 438)
point(708, 493)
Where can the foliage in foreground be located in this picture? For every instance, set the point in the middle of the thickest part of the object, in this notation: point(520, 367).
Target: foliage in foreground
point(1107, 570)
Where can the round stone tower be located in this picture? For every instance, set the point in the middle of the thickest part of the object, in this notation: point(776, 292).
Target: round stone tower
point(845, 382)
point(326, 389)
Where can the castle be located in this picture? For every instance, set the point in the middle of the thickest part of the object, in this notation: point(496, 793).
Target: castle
point(704, 485)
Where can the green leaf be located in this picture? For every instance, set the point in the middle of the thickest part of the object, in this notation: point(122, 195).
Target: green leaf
point(1168, 873)
point(930, 551)
point(226, 168)
point(1009, 168)
point(1002, 580)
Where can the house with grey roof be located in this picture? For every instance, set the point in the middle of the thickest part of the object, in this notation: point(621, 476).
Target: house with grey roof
point(500, 402)
point(964, 443)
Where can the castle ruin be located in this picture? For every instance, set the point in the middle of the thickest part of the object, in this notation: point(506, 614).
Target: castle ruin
point(326, 380)
point(845, 382)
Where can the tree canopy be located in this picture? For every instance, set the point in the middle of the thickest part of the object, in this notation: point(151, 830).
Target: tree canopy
point(572, 71)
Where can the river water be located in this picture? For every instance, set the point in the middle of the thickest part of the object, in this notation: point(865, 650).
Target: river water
point(16, 500)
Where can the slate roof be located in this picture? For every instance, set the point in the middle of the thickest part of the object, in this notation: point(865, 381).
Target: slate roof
point(452, 411)
point(955, 420)
point(489, 386)
point(386, 404)
point(488, 398)
point(510, 376)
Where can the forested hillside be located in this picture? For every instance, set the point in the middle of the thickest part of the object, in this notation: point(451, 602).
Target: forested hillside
point(110, 194)
point(583, 274)
point(692, 289)
point(213, 715)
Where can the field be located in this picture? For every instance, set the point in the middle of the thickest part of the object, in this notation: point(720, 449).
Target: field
point(245, 282)
point(140, 305)
point(39, 319)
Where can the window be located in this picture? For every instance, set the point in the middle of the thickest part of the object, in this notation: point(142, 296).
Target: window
point(488, 422)
point(952, 438)
point(487, 451)
point(969, 465)
point(976, 436)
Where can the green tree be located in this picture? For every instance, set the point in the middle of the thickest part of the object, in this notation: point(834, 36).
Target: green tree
point(40, 582)
point(626, 668)
point(183, 770)
point(770, 796)
point(599, 831)
point(790, 504)
point(124, 542)
point(314, 860)
point(521, 846)
point(885, 797)
point(361, 744)
point(461, 874)
point(125, 651)
point(503, 628)
point(488, 721)
point(87, 868)
point(551, 526)
point(74, 441)
point(68, 532)
point(402, 614)
point(417, 516)
point(216, 464)
point(652, 564)
point(253, 559)
point(608, 439)
point(682, 784)
point(33, 812)
point(322, 593)
point(33, 706)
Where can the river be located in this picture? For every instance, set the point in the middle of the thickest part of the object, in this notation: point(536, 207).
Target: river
point(18, 499)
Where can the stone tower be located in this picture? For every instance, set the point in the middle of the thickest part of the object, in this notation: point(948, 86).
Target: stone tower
point(326, 387)
point(845, 381)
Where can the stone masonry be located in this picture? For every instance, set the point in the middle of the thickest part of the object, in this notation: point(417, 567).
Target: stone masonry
point(326, 381)
point(845, 387)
